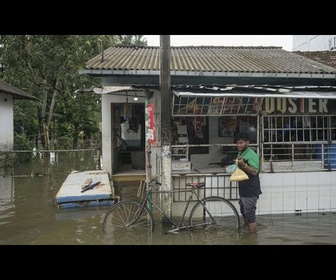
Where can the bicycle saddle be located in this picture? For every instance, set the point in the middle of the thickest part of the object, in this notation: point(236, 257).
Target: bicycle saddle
point(196, 185)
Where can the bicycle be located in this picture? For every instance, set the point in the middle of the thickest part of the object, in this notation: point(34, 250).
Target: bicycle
point(132, 219)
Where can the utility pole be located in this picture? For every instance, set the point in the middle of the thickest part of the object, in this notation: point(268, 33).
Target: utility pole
point(166, 178)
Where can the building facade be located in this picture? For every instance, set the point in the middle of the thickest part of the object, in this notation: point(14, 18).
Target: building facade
point(284, 100)
point(314, 43)
point(8, 94)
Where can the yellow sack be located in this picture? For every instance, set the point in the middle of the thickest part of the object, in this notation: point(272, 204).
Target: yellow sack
point(238, 175)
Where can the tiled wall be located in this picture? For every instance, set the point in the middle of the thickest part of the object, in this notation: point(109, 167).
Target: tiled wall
point(297, 192)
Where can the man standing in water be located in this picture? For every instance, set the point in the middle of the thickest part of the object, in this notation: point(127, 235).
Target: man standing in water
point(249, 190)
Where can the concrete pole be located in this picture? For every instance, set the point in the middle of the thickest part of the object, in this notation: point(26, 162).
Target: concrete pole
point(166, 178)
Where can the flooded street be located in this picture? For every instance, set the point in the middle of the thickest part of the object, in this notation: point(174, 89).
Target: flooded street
point(28, 217)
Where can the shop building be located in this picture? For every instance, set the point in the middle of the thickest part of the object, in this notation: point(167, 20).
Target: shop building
point(284, 100)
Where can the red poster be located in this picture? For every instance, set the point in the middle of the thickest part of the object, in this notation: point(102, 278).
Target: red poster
point(150, 124)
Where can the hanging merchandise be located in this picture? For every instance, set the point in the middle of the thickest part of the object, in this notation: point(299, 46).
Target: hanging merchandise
point(133, 124)
point(127, 109)
point(198, 126)
point(198, 123)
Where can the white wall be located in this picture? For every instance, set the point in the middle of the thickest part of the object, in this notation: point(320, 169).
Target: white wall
point(297, 192)
point(106, 133)
point(311, 42)
point(6, 122)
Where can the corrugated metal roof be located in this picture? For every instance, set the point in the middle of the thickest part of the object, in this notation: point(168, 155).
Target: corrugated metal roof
point(325, 57)
point(208, 59)
point(16, 92)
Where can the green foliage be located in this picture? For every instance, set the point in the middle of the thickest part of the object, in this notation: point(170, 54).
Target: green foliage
point(47, 66)
point(23, 144)
point(25, 117)
point(137, 40)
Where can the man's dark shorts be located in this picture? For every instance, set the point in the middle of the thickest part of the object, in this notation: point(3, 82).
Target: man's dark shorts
point(248, 206)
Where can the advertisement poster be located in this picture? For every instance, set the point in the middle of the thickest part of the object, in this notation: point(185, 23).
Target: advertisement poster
point(150, 135)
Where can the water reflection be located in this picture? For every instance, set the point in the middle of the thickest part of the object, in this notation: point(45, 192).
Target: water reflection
point(28, 215)
point(184, 237)
point(6, 199)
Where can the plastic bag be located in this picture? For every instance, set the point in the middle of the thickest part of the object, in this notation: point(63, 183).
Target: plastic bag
point(231, 168)
point(238, 175)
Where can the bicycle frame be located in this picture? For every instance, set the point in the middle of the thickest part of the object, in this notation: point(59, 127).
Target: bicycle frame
point(176, 225)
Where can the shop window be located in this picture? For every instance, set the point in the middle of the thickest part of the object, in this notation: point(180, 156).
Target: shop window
point(299, 138)
point(228, 126)
point(194, 136)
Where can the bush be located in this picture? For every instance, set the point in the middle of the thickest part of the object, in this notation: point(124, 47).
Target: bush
point(24, 145)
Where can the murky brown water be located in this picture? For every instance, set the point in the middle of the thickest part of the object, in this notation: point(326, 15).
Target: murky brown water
point(28, 217)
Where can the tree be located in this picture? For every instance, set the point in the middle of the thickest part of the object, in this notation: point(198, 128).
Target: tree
point(46, 66)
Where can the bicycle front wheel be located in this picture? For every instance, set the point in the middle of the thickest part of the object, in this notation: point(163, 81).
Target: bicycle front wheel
point(128, 222)
point(214, 212)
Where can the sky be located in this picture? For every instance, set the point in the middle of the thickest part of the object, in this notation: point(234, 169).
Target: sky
point(284, 41)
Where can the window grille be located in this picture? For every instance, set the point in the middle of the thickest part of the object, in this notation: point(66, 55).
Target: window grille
point(215, 185)
point(215, 106)
point(298, 142)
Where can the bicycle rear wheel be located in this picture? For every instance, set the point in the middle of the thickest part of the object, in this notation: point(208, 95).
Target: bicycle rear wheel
point(128, 222)
point(214, 212)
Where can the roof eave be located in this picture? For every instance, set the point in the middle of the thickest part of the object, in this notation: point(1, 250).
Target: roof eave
point(208, 74)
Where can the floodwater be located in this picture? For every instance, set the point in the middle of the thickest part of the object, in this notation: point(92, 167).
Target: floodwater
point(28, 216)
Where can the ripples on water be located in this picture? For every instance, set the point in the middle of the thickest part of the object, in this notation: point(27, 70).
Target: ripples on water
point(28, 217)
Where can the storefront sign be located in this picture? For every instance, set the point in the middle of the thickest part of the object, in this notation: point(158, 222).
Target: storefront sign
point(298, 105)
